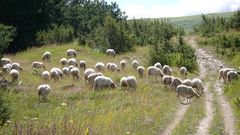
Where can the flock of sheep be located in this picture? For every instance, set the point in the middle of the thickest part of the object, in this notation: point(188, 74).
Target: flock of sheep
point(186, 88)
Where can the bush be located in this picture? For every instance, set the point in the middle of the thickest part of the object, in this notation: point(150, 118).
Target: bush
point(55, 35)
point(4, 110)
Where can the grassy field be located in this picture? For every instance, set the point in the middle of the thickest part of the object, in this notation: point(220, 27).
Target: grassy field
point(145, 111)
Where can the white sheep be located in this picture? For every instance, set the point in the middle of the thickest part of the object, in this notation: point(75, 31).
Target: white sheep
point(64, 61)
point(113, 67)
point(130, 82)
point(66, 70)
point(175, 82)
point(135, 64)
point(5, 61)
point(123, 64)
point(110, 52)
point(167, 80)
point(46, 75)
point(14, 74)
point(183, 71)
point(154, 71)
point(54, 74)
point(198, 85)
point(82, 64)
point(158, 65)
point(60, 73)
point(187, 82)
point(92, 76)
point(187, 92)
point(46, 56)
point(70, 67)
point(72, 61)
point(100, 66)
point(7, 67)
point(108, 65)
point(43, 91)
point(141, 71)
point(101, 82)
point(87, 72)
point(232, 75)
point(38, 65)
point(75, 73)
point(16, 66)
point(71, 53)
point(167, 70)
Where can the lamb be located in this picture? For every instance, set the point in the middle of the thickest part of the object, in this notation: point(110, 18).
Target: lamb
point(154, 71)
point(110, 52)
point(75, 73)
point(5, 61)
point(46, 56)
point(135, 64)
point(38, 65)
point(46, 75)
point(16, 66)
point(130, 82)
point(183, 71)
point(14, 74)
point(54, 74)
point(66, 71)
point(167, 80)
point(71, 53)
point(175, 82)
point(7, 68)
point(72, 61)
point(167, 70)
point(158, 65)
point(140, 70)
point(232, 75)
point(187, 92)
point(64, 61)
point(187, 82)
point(92, 76)
point(43, 91)
point(123, 64)
point(82, 64)
point(100, 66)
point(87, 72)
point(101, 82)
point(198, 85)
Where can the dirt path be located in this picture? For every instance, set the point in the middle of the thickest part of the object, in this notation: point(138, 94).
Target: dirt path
point(209, 66)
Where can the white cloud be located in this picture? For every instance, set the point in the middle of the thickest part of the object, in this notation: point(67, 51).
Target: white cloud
point(182, 8)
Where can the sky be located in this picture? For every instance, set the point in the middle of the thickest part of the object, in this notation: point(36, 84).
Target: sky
point(174, 8)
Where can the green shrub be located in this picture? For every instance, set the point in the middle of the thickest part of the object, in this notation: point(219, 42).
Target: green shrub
point(4, 110)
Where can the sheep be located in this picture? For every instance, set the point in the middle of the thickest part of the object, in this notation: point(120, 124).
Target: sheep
point(54, 74)
point(70, 67)
point(140, 70)
point(101, 82)
point(66, 71)
point(186, 91)
point(183, 71)
point(100, 66)
point(38, 65)
point(187, 82)
point(64, 61)
point(72, 61)
point(92, 76)
point(198, 85)
point(87, 72)
point(167, 80)
point(75, 73)
point(123, 64)
point(46, 56)
point(82, 64)
point(225, 72)
point(167, 70)
point(130, 82)
point(71, 53)
point(110, 52)
point(175, 82)
point(60, 73)
point(46, 75)
point(154, 71)
point(5, 61)
point(7, 68)
point(16, 66)
point(232, 75)
point(14, 74)
point(113, 67)
point(158, 65)
point(43, 91)
point(135, 64)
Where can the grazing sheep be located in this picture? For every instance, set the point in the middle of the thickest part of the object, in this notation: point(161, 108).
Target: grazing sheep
point(175, 82)
point(232, 75)
point(14, 74)
point(183, 71)
point(167, 80)
point(75, 73)
point(187, 92)
point(7, 68)
point(130, 82)
point(100, 66)
point(38, 65)
point(123, 64)
point(140, 70)
point(71, 53)
point(5, 61)
point(60, 73)
point(87, 72)
point(187, 82)
point(154, 71)
point(158, 65)
point(92, 76)
point(70, 67)
point(135, 64)
point(46, 75)
point(64, 61)
point(66, 70)
point(101, 82)
point(82, 64)
point(72, 61)
point(113, 67)
point(167, 70)
point(43, 91)
point(198, 85)
point(46, 56)
point(16, 66)
point(54, 74)
point(110, 52)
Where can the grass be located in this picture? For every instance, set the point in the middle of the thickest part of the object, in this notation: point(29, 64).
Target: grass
point(145, 111)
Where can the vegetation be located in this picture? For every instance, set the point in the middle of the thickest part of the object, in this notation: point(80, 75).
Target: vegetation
point(4, 108)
